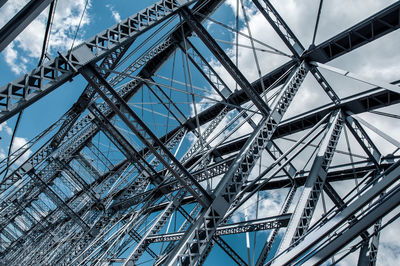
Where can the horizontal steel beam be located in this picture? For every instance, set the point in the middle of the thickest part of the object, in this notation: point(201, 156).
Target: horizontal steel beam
point(26, 90)
point(338, 173)
point(60, 202)
point(359, 103)
point(368, 103)
point(377, 25)
point(362, 33)
point(235, 228)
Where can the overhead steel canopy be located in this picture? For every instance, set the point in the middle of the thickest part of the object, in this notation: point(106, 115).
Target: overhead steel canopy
point(175, 145)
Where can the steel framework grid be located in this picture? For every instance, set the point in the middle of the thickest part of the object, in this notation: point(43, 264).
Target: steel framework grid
point(220, 150)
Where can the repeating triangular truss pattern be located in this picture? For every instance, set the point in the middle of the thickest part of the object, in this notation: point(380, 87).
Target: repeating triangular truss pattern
point(176, 150)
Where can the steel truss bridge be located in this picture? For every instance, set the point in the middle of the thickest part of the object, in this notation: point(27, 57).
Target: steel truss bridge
point(170, 143)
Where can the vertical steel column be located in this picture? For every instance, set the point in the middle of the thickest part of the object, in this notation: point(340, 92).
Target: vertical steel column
point(369, 248)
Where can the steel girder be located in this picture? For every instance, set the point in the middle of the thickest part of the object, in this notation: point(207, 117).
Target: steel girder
point(365, 219)
point(367, 103)
point(242, 227)
point(363, 102)
point(353, 38)
point(315, 182)
point(85, 125)
point(21, 20)
point(51, 75)
point(198, 237)
point(67, 149)
point(378, 25)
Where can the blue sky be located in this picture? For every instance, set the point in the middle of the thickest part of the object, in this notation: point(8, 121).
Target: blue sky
point(22, 55)
point(99, 16)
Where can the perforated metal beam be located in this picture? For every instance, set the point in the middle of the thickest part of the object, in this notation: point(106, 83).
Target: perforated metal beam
point(315, 182)
point(235, 228)
point(391, 200)
point(24, 91)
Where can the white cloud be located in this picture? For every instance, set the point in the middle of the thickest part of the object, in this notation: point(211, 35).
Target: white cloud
point(6, 128)
point(2, 154)
point(10, 9)
point(269, 204)
point(18, 143)
point(11, 57)
point(298, 15)
point(380, 64)
point(114, 13)
point(209, 24)
point(27, 47)
point(389, 247)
